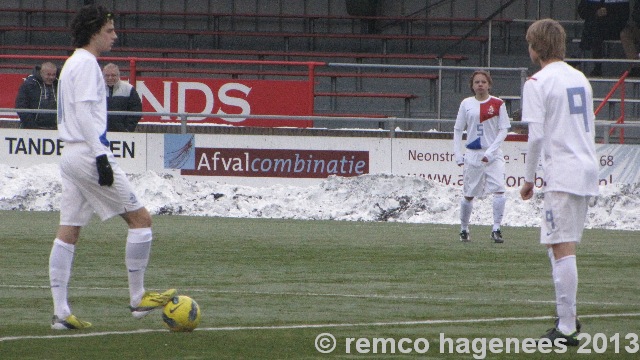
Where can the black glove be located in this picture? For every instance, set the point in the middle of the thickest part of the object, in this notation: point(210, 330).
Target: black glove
point(105, 172)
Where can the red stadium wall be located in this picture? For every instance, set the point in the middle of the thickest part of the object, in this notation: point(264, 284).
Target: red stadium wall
point(209, 96)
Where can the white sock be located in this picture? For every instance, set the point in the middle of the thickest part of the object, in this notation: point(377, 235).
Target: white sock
point(136, 259)
point(565, 279)
point(60, 263)
point(466, 207)
point(499, 201)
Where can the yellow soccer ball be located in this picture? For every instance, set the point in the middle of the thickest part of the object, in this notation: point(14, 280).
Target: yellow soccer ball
point(182, 313)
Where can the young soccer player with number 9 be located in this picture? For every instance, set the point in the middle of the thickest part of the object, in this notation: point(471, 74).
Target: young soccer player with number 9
point(558, 107)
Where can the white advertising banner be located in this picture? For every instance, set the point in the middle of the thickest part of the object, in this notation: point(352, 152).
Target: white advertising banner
point(26, 147)
point(259, 160)
point(433, 159)
point(264, 160)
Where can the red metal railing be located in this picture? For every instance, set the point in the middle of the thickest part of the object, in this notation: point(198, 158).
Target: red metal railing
point(620, 84)
point(133, 63)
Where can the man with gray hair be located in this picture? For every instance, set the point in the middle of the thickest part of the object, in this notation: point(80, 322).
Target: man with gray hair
point(121, 96)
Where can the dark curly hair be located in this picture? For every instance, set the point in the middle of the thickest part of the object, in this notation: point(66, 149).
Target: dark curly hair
point(88, 22)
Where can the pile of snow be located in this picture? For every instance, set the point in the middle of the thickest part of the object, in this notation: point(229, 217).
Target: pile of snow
point(365, 198)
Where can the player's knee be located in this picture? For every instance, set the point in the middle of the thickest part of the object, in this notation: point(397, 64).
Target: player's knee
point(68, 234)
point(143, 220)
point(140, 218)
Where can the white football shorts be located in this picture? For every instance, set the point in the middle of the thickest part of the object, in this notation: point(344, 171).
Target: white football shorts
point(563, 217)
point(81, 193)
point(480, 178)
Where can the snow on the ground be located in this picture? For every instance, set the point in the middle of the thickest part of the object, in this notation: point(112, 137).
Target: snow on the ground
point(364, 198)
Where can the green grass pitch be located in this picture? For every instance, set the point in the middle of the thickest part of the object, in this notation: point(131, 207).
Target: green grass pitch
point(268, 288)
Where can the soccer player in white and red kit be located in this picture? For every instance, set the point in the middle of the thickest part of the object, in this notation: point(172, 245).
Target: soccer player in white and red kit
point(558, 107)
point(92, 182)
point(485, 118)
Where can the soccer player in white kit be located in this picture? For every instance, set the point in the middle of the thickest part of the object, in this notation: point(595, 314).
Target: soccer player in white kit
point(91, 179)
point(486, 120)
point(558, 107)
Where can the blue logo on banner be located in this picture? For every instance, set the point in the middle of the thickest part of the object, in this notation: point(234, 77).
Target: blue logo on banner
point(179, 151)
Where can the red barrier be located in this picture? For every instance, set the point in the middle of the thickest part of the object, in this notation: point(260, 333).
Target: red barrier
point(620, 84)
point(215, 96)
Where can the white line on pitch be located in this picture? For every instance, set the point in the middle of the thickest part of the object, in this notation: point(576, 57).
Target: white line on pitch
point(358, 296)
point(314, 326)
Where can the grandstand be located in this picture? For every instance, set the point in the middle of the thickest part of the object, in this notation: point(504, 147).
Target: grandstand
point(408, 33)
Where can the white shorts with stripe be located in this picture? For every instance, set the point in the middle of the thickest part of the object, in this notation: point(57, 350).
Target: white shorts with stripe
point(480, 178)
point(563, 217)
point(81, 193)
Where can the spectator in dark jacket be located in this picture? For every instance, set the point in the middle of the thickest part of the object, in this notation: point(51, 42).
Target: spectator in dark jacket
point(630, 36)
point(39, 91)
point(121, 96)
point(603, 20)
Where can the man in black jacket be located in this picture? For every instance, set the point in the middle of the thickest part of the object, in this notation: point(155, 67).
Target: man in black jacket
point(630, 36)
point(121, 96)
point(603, 20)
point(39, 91)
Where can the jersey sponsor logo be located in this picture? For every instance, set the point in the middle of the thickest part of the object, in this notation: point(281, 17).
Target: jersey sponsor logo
point(490, 109)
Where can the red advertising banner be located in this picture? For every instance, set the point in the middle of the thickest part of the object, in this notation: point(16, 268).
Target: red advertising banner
point(284, 163)
point(10, 85)
point(208, 96)
point(226, 96)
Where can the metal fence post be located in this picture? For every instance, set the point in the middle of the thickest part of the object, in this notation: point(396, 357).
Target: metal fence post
point(183, 123)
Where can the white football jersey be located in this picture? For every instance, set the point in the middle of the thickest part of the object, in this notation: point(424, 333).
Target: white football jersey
point(561, 99)
point(82, 102)
point(483, 120)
